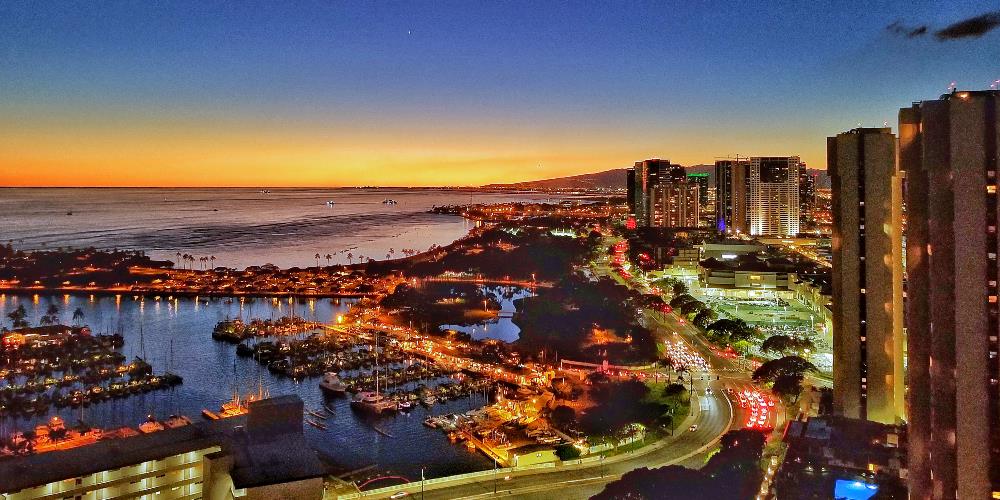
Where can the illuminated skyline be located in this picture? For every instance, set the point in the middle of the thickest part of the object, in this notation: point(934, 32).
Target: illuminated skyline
point(449, 93)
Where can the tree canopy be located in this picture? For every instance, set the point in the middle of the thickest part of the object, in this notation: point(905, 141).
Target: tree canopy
point(732, 473)
point(786, 366)
point(784, 344)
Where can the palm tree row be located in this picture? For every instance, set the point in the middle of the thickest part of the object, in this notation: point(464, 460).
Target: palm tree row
point(188, 258)
point(408, 252)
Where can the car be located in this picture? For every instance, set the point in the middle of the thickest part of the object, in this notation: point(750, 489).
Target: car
point(399, 494)
point(693, 427)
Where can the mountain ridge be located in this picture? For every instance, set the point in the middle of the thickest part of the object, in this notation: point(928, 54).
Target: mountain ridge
point(616, 177)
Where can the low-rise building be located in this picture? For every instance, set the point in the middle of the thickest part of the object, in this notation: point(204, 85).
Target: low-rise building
point(260, 455)
point(745, 271)
point(839, 457)
point(729, 250)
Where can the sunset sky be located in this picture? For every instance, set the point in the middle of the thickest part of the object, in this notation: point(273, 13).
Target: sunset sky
point(315, 93)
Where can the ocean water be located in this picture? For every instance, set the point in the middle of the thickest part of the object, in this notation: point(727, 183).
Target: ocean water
point(240, 227)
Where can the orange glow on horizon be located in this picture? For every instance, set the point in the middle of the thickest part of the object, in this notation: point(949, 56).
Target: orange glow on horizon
point(186, 155)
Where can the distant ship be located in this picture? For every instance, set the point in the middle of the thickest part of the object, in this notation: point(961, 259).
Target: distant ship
point(330, 203)
point(389, 201)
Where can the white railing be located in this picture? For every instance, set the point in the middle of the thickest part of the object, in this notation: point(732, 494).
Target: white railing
point(415, 486)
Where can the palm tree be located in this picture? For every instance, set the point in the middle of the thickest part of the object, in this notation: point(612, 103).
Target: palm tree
point(328, 259)
point(317, 260)
point(212, 258)
point(178, 257)
point(17, 317)
point(350, 258)
point(78, 316)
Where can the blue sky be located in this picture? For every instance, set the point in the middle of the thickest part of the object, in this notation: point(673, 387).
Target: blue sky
point(512, 90)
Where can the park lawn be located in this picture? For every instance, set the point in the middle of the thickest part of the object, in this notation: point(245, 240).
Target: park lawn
point(681, 402)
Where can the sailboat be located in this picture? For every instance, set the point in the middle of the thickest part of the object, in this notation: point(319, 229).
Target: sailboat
point(374, 401)
point(238, 405)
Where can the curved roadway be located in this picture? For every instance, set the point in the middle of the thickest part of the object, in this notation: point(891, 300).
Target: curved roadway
point(714, 416)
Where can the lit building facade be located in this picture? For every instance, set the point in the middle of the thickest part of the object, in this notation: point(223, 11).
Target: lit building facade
point(258, 456)
point(660, 195)
point(773, 195)
point(731, 196)
point(675, 204)
point(701, 179)
point(948, 150)
point(867, 275)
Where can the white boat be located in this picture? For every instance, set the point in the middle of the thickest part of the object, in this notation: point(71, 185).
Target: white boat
point(150, 425)
point(373, 401)
point(330, 203)
point(331, 382)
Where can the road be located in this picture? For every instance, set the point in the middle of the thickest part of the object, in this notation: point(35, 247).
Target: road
point(714, 416)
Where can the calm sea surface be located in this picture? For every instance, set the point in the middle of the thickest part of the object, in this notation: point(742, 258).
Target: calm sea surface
point(240, 227)
point(243, 227)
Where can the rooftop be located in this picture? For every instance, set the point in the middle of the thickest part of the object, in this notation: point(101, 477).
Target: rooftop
point(267, 446)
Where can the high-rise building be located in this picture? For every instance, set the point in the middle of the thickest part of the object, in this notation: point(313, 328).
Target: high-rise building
point(807, 195)
point(948, 151)
point(773, 195)
point(660, 196)
point(675, 204)
point(867, 275)
point(701, 179)
point(631, 190)
point(731, 196)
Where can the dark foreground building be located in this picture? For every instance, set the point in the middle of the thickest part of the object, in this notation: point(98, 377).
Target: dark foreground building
point(838, 457)
point(948, 150)
point(260, 455)
point(867, 275)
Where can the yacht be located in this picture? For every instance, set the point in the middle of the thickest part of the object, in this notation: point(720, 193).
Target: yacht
point(332, 383)
point(175, 421)
point(373, 401)
point(150, 425)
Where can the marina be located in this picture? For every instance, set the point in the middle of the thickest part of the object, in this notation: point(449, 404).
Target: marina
point(183, 326)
